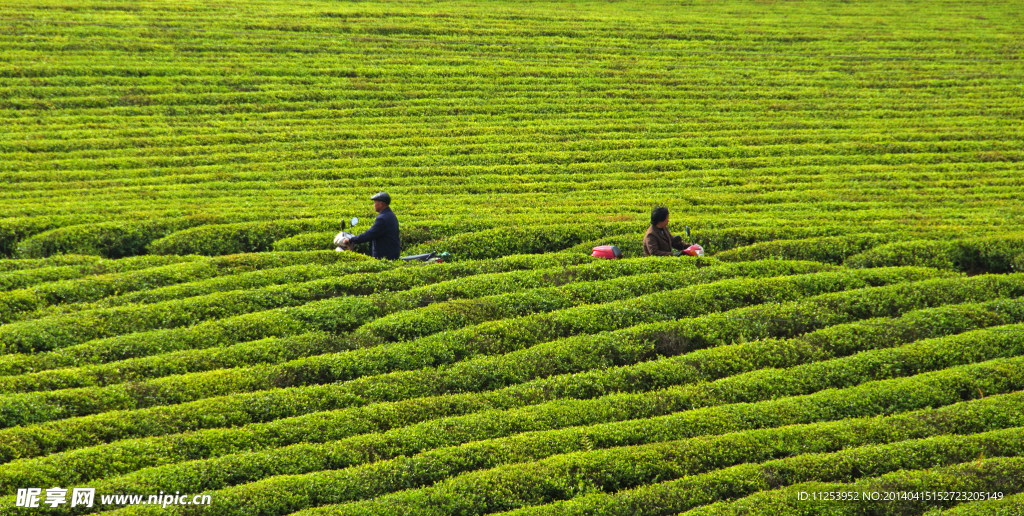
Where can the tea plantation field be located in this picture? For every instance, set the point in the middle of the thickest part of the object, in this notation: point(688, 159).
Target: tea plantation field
point(174, 319)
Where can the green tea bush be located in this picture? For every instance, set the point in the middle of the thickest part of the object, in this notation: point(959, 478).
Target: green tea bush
point(24, 278)
point(193, 278)
point(280, 403)
point(701, 482)
point(912, 489)
point(520, 452)
point(924, 253)
point(241, 237)
point(107, 239)
point(820, 249)
point(716, 240)
point(324, 314)
point(312, 370)
point(22, 264)
point(493, 243)
point(467, 287)
point(15, 229)
point(704, 365)
point(995, 254)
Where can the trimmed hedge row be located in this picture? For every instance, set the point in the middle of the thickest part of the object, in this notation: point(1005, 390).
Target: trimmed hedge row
point(635, 272)
point(191, 278)
point(338, 314)
point(19, 279)
point(66, 330)
point(511, 486)
point(108, 239)
point(706, 365)
point(820, 249)
point(505, 336)
point(50, 405)
point(700, 477)
point(438, 317)
point(271, 350)
point(709, 493)
point(16, 229)
point(716, 240)
point(995, 254)
point(343, 423)
point(240, 237)
point(276, 404)
point(925, 253)
point(285, 494)
point(21, 264)
point(292, 235)
point(542, 239)
point(493, 243)
point(258, 279)
point(1004, 473)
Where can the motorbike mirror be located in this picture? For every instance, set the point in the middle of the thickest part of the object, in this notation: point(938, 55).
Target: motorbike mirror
point(687, 232)
point(355, 220)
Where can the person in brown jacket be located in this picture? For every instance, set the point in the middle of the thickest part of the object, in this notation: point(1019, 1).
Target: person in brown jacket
point(657, 241)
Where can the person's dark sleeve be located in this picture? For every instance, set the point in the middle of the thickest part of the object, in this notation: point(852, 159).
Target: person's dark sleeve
point(370, 234)
point(651, 242)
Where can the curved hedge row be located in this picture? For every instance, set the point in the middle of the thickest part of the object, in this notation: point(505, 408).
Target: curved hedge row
point(16, 229)
point(689, 368)
point(995, 254)
point(541, 239)
point(820, 249)
point(262, 408)
point(924, 253)
point(23, 278)
point(242, 281)
point(635, 273)
point(493, 243)
point(1001, 474)
point(22, 264)
point(51, 405)
point(240, 237)
point(451, 315)
point(66, 330)
point(707, 493)
point(708, 477)
point(284, 494)
point(289, 321)
point(717, 239)
point(107, 239)
point(196, 278)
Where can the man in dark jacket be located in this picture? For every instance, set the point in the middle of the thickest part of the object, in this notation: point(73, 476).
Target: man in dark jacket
point(383, 234)
point(658, 241)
